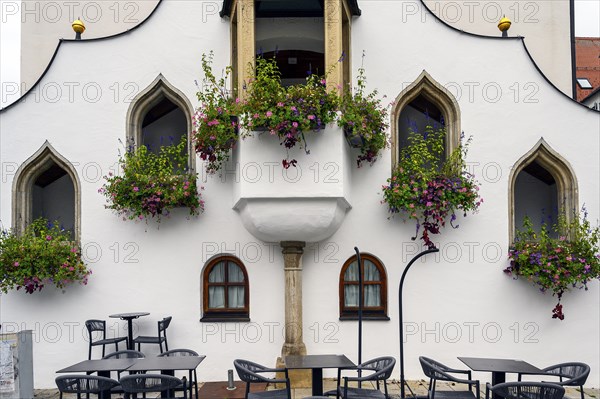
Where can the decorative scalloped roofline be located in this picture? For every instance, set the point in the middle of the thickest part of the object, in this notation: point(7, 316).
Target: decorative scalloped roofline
point(61, 41)
point(521, 38)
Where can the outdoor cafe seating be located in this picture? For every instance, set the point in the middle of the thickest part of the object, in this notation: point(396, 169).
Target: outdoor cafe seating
point(381, 370)
point(528, 390)
point(249, 372)
point(572, 374)
point(157, 340)
point(84, 384)
point(437, 371)
point(153, 383)
point(96, 326)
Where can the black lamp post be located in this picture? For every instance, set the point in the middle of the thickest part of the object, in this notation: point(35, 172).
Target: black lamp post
point(400, 287)
point(360, 308)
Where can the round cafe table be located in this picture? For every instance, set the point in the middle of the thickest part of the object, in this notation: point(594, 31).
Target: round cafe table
point(129, 317)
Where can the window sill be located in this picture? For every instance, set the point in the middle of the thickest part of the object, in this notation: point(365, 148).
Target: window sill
point(224, 319)
point(365, 318)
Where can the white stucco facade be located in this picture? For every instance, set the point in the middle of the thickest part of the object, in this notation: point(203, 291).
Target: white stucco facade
point(458, 303)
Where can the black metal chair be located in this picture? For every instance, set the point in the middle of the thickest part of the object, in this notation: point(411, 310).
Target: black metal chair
point(183, 352)
point(162, 336)
point(249, 373)
point(84, 385)
point(382, 368)
point(525, 390)
point(153, 383)
point(100, 325)
point(437, 371)
point(573, 374)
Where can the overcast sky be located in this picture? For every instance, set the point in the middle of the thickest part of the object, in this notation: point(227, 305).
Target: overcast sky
point(587, 23)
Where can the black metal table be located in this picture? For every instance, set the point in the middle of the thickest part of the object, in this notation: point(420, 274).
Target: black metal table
point(317, 363)
point(168, 365)
point(101, 366)
point(129, 317)
point(499, 367)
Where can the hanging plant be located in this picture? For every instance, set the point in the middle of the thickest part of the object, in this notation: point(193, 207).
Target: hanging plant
point(364, 120)
point(559, 258)
point(428, 189)
point(215, 121)
point(287, 112)
point(43, 254)
point(153, 184)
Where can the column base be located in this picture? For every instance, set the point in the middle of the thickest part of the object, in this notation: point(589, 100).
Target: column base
point(298, 378)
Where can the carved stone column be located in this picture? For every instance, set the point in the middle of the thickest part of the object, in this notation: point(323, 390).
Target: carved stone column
point(294, 343)
point(245, 43)
point(292, 263)
point(333, 14)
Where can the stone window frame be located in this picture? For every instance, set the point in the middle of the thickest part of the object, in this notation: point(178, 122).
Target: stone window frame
point(560, 169)
point(226, 314)
point(350, 314)
point(337, 18)
point(150, 97)
point(25, 177)
point(437, 94)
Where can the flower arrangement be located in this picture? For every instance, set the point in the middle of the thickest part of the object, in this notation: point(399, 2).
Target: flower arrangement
point(152, 184)
point(288, 112)
point(215, 121)
point(364, 120)
point(43, 254)
point(429, 189)
point(565, 256)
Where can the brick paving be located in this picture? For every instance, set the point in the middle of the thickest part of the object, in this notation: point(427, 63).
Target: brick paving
point(418, 387)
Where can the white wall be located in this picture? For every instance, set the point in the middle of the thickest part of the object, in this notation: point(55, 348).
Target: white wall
point(545, 24)
point(462, 297)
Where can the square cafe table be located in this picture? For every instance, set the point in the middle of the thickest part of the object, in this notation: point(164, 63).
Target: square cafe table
point(499, 367)
point(168, 365)
point(317, 363)
point(101, 366)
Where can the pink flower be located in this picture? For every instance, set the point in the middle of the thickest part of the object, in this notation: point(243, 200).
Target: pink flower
point(429, 203)
point(74, 250)
point(280, 104)
point(136, 189)
point(256, 116)
point(295, 124)
point(311, 117)
point(269, 114)
point(212, 137)
point(323, 82)
point(293, 108)
point(48, 238)
point(16, 264)
point(411, 206)
point(71, 269)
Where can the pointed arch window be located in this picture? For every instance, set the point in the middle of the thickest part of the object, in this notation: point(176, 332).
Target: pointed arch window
point(225, 290)
point(46, 185)
point(541, 184)
point(161, 115)
point(374, 289)
point(424, 102)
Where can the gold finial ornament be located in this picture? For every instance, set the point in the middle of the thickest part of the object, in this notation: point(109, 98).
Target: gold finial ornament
point(504, 24)
point(78, 26)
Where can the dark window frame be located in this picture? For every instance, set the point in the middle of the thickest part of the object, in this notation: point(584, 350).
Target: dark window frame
point(369, 313)
point(225, 314)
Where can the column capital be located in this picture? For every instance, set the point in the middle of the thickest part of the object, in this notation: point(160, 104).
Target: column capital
point(292, 247)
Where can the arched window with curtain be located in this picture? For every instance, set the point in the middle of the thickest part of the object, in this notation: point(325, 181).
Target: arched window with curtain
point(374, 289)
point(225, 290)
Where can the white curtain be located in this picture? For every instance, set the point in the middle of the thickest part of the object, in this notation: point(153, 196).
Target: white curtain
point(372, 293)
point(216, 295)
point(235, 294)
